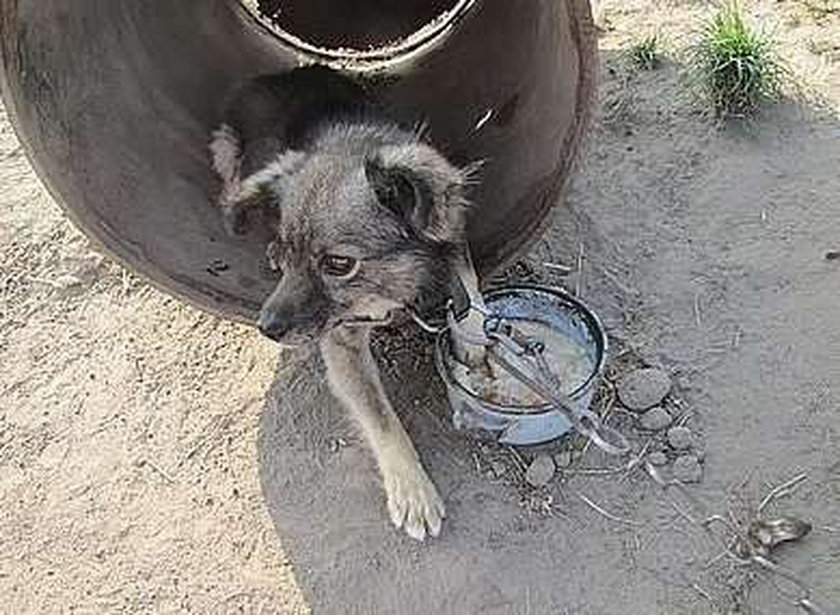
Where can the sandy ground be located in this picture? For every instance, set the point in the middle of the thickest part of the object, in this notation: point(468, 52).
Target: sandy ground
point(129, 476)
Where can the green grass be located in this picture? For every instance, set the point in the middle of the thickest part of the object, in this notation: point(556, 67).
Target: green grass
point(646, 54)
point(736, 66)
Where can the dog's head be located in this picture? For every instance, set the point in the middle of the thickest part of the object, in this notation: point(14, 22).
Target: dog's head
point(359, 236)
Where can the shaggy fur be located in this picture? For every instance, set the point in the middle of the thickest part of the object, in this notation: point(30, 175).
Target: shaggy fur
point(369, 219)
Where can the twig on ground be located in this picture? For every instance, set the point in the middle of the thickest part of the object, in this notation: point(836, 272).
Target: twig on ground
point(780, 490)
point(717, 558)
point(592, 471)
point(579, 267)
point(518, 458)
point(558, 268)
point(476, 461)
point(697, 318)
point(605, 513)
point(696, 587)
point(810, 607)
point(684, 418)
point(145, 462)
point(636, 460)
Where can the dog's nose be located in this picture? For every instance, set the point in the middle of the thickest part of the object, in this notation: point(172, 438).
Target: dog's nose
point(273, 325)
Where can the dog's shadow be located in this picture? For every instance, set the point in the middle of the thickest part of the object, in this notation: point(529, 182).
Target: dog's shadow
point(324, 495)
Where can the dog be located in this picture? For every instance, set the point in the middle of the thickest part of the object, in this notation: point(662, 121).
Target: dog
point(368, 220)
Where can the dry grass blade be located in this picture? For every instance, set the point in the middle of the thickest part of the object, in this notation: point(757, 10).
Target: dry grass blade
point(605, 513)
point(780, 490)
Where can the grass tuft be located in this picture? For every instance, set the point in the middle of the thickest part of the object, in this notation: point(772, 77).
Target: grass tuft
point(646, 54)
point(736, 66)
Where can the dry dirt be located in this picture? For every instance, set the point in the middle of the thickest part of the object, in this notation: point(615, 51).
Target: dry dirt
point(128, 475)
point(130, 442)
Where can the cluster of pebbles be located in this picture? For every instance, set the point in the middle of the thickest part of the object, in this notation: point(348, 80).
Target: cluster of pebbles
point(643, 392)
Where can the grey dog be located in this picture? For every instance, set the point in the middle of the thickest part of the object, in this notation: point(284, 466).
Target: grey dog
point(368, 219)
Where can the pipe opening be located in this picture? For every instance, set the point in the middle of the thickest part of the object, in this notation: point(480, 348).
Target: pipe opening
point(357, 31)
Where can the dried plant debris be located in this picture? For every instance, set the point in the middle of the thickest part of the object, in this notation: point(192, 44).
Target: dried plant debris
point(765, 534)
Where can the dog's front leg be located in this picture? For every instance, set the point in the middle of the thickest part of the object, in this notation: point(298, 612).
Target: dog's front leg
point(413, 500)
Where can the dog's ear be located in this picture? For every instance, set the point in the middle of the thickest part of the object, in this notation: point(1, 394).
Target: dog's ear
point(270, 180)
point(419, 186)
point(402, 191)
point(263, 191)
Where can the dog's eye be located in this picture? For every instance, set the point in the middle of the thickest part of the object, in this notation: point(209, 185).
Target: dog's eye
point(339, 266)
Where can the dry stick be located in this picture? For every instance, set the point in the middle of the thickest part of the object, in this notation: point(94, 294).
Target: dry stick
point(697, 318)
point(638, 459)
point(696, 587)
point(592, 471)
point(780, 490)
point(578, 281)
point(520, 462)
point(167, 477)
point(560, 269)
point(685, 417)
point(608, 515)
point(717, 558)
point(476, 461)
point(810, 607)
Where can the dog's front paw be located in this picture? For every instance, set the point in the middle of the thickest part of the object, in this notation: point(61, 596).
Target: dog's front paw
point(413, 500)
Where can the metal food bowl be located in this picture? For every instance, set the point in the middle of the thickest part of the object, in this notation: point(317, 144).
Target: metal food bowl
point(523, 425)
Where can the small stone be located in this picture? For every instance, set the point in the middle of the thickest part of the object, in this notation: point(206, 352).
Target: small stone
point(540, 471)
point(687, 469)
point(679, 438)
point(658, 458)
point(643, 388)
point(656, 419)
point(563, 459)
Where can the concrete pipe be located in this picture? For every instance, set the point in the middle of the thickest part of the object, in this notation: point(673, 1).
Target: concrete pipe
point(114, 101)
